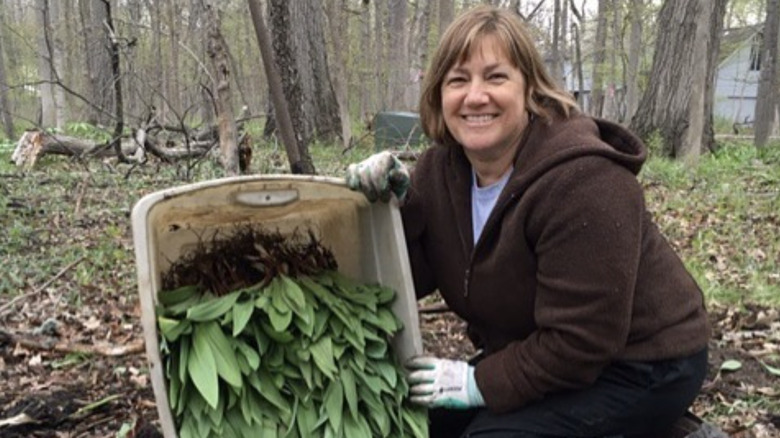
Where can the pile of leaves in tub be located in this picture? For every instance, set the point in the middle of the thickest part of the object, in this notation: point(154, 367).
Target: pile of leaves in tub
point(261, 334)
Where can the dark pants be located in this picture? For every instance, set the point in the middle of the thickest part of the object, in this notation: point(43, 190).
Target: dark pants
point(630, 399)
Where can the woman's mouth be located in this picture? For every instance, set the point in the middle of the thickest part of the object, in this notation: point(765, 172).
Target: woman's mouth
point(479, 118)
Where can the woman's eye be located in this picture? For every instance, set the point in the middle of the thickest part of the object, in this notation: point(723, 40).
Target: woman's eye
point(497, 77)
point(456, 80)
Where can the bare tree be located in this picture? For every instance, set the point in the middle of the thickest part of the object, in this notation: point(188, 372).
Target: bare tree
point(156, 80)
point(380, 69)
point(446, 14)
point(575, 31)
point(97, 49)
point(576, 35)
point(5, 103)
point(366, 61)
point(557, 62)
point(634, 51)
point(339, 33)
point(766, 104)
point(48, 114)
point(171, 73)
point(677, 105)
point(599, 57)
point(299, 51)
point(228, 137)
point(611, 108)
point(113, 43)
point(299, 163)
point(418, 49)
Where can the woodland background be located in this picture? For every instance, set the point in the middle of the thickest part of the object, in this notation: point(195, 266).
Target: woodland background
point(321, 70)
point(140, 95)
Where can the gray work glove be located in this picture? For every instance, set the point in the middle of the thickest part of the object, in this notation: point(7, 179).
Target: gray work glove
point(379, 177)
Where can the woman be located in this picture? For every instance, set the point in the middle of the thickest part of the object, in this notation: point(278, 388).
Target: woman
point(528, 218)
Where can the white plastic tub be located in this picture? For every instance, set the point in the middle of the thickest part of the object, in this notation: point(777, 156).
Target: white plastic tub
point(366, 239)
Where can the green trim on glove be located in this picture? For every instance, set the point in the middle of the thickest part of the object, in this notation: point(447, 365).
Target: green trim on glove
point(442, 383)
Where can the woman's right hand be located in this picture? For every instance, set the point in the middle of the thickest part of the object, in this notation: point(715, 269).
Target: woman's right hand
point(379, 177)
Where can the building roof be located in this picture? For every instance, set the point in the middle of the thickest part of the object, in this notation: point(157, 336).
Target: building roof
point(734, 39)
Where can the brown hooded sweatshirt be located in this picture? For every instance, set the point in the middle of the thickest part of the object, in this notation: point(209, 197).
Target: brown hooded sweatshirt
point(569, 274)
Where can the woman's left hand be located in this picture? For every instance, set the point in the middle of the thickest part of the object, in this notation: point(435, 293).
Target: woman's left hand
point(442, 383)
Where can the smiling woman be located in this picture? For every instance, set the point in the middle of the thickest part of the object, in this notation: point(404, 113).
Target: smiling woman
point(527, 216)
point(483, 104)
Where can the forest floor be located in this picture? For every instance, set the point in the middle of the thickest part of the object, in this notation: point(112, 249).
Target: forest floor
point(54, 386)
point(72, 362)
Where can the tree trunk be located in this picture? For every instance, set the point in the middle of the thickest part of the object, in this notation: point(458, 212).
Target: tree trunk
point(366, 59)
point(116, 80)
point(133, 86)
point(446, 15)
point(6, 112)
point(599, 56)
point(48, 114)
point(397, 32)
point(675, 105)
point(298, 164)
point(320, 103)
point(339, 33)
point(380, 65)
point(418, 51)
point(157, 79)
point(716, 31)
point(613, 99)
point(228, 139)
point(575, 30)
point(171, 72)
point(767, 85)
point(556, 70)
point(299, 49)
point(55, 46)
point(97, 49)
point(634, 55)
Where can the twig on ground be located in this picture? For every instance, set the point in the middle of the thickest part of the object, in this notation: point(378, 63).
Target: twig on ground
point(4, 307)
point(434, 308)
point(82, 189)
point(48, 343)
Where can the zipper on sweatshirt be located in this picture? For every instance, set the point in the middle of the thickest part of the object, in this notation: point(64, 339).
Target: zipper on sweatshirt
point(466, 281)
point(488, 227)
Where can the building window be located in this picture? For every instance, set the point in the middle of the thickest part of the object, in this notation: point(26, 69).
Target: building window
point(755, 54)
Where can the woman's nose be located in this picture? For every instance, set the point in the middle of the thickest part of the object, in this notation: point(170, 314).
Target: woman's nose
point(476, 94)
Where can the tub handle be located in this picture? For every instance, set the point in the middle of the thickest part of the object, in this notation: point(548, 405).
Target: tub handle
point(267, 198)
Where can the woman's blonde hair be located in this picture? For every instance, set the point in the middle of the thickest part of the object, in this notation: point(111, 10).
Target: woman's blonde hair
point(542, 92)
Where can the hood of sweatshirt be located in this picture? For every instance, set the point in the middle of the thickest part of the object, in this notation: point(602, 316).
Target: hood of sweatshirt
point(548, 144)
point(544, 146)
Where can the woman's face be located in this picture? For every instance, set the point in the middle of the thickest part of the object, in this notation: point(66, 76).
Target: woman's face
point(483, 102)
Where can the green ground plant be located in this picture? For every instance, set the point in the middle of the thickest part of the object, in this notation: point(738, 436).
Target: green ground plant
point(722, 216)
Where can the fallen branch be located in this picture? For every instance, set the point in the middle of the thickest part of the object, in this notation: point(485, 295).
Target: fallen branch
point(34, 144)
point(49, 343)
point(39, 289)
point(17, 420)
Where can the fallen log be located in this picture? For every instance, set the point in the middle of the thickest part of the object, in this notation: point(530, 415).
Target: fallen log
point(34, 144)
